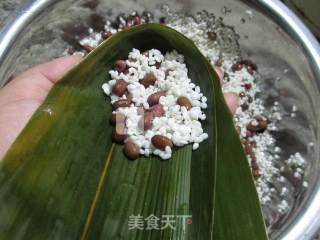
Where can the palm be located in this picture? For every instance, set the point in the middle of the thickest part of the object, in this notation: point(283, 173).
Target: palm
point(23, 95)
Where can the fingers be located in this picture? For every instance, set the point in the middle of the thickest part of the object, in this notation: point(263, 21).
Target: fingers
point(36, 82)
point(232, 99)
point(53, 70)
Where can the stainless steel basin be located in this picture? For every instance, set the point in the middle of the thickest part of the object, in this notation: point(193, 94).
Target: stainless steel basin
point(272, 36)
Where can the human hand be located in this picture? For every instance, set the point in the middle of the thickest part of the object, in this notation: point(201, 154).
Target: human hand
point(21, 97)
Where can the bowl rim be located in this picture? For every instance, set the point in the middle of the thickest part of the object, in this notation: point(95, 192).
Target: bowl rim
point(307, 223)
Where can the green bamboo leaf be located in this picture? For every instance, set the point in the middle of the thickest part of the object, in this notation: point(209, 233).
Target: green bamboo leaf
point(237, 209)
point(63, 178)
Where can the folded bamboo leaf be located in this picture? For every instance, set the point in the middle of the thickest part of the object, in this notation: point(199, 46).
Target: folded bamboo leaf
point(63, 178)
point(237, 209)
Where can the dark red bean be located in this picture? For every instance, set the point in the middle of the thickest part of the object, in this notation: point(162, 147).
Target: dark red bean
point(260, 126)
point(121, 103)
point(131, 150)
point(249, 133)
point(161, 142)
point(120, 87)
point(236, 67)
point(136, 20)
point(248, 148)
point(253, 158)
point(119, 133)
point(244, 107)
point(158, 65)
point(184, 102)
point(153, 99)
point(254, 165)
point(106, 35)
point(242, 94)
point(252, 127)
point(120, 65)
point(256, 173)
point(148, 80)
point(253, 143)
point(212, 36)
point(247, 86)
point(252, 65)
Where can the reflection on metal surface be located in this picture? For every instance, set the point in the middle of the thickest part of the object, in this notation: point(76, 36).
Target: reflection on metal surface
point(308, 222)
point(21, 18)
point(298, 30)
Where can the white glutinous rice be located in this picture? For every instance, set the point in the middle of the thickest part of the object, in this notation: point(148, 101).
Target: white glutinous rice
point(181, 124)
point(256, 122)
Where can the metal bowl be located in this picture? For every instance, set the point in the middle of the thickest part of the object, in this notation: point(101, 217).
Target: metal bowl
point(286, 52)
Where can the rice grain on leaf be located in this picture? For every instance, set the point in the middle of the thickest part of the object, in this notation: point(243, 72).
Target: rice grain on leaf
point(63, 178)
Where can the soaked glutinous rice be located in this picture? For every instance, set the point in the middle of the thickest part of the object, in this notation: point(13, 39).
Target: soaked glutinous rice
point(161, 100)
point(255, 123)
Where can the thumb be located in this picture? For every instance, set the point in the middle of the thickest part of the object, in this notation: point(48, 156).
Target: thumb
point(36, 82)
point(54, 69)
